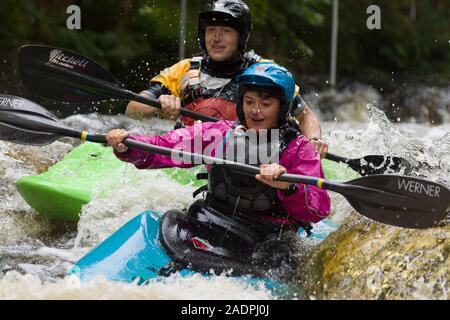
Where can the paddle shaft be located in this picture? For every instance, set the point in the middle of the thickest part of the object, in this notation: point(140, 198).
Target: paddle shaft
point(342, 188)
point(126, 94)
point(335, 158)
point(70, 77)
point(245, 168)
point(38, 125)
point(396, 200)
point(203, 159)
point(28, 121)
point(155, 103)
point(107, 89)
point(92, 82)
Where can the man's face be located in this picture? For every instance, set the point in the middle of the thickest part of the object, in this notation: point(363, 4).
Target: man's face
point(221, 42)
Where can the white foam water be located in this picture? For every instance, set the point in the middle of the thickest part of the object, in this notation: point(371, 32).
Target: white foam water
point(35, 253)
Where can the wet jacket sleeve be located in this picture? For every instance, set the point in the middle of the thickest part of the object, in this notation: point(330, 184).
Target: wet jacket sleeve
point(171, 77)
point(155, 90)
point(308, 203)
point(205, 138)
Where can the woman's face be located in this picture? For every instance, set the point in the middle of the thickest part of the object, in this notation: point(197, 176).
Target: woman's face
point(260, 110)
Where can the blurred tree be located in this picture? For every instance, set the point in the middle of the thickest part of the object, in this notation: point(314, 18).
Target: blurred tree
point(136, 39)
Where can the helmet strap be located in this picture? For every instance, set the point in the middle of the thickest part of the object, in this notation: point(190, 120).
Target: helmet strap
point(224, 69)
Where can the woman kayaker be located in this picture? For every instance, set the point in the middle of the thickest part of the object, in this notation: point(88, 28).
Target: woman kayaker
point(248, 208)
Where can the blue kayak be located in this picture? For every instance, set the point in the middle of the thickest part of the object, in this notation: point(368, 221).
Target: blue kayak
point(134, 253)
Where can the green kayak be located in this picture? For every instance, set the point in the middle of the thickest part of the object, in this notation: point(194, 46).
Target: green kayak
point(92, 170)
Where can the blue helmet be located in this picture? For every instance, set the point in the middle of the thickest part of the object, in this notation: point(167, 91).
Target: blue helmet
point(267, 74)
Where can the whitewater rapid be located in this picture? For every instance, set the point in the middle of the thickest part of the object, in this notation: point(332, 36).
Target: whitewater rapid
point(36, 253)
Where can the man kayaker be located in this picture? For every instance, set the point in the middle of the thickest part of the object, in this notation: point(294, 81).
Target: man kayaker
point(260, 205)
point(207, 83)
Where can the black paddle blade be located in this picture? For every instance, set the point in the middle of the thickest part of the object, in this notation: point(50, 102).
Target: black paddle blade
point(22, 105)
point(399, 200)
point(63, 75)
point(376, 164)
point(21, 136)
point(24, 122)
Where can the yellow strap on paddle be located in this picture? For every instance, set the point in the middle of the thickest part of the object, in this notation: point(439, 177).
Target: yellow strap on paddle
point(84, 135)
point(319, 183)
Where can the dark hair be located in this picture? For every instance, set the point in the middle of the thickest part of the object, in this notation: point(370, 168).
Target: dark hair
point(264, 92)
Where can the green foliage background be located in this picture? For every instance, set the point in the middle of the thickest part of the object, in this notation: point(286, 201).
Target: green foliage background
point(135, 39)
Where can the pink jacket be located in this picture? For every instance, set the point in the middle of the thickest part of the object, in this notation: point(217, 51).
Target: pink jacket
point(309, 203)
